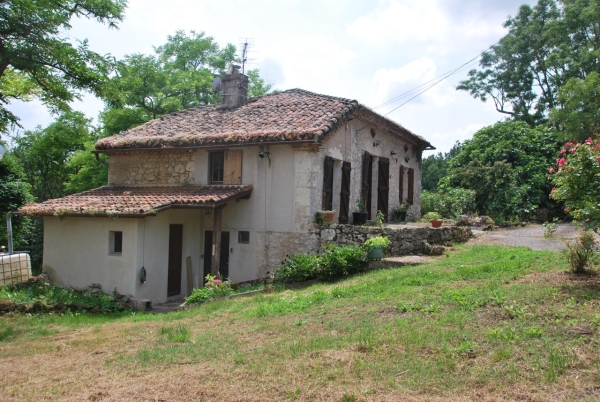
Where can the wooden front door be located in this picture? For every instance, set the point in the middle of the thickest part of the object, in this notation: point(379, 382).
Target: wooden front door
point(224, 260)
point(175, 259)
point(345, 193)
point(383, 187)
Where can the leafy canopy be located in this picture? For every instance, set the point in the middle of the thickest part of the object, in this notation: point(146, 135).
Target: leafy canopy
point(37, 61)
point(506, 164)
point(546, 46)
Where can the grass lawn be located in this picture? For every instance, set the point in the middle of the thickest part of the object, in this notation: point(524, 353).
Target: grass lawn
point(482, 323)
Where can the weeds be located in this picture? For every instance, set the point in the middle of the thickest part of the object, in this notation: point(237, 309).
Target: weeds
point(580, 251)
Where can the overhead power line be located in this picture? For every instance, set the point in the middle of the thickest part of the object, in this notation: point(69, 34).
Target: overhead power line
point(431, 83)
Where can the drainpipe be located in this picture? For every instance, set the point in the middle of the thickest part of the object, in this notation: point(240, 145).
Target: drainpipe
point(9, 229)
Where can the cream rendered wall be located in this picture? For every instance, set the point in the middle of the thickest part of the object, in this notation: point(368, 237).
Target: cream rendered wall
point(348, 142)
point(76, 253)
point(268, 215)
point(153, 252)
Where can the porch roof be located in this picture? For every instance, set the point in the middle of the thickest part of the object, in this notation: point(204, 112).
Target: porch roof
point(136, 201)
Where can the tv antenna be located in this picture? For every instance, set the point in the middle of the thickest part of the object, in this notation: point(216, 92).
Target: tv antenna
point(245, 45)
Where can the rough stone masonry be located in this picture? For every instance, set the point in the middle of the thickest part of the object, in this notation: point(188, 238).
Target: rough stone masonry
point(404, 240)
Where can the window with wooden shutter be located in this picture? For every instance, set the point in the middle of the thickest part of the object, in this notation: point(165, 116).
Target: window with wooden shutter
point(367, 181)
point(344, 216)
point(383, 187)
point(327, 202)
point(401, 185)
point(232, 171)
point(411, 186)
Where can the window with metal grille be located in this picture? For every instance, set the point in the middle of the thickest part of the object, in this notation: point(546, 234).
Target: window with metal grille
point(217, 165)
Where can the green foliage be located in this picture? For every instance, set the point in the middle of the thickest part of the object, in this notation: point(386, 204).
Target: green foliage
point(177, 76)
point(298, 268)
point(506, 164)
point(379, 241)
point(338, 261)
point(177, 333)
point(14, 193)
point(213, 288)
point(549, 228)
point(581, 251)
point(578, 115)
point(37, 295)
point(45, 153)
point(380, 217)
point(545, 47)
point(37, 62)
point(448, 201)
point(431, 216)
point(435, 167)
point(576, 176)
point(257, 86)
point(360, 205)
point(89, 173)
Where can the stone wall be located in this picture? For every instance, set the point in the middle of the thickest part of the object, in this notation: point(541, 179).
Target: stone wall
point(152, 168)
point(404, 240)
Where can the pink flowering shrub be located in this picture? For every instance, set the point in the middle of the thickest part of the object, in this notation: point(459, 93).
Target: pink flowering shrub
point(576, 177)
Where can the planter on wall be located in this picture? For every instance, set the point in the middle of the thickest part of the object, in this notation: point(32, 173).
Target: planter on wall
point(359, 218)
point(436, 223)
point(325, 217)
point(376, 253)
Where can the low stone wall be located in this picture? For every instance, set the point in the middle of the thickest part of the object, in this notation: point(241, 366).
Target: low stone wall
point(404, 240)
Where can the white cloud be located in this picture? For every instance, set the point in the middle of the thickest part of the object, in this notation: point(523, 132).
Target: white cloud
point(419, 20)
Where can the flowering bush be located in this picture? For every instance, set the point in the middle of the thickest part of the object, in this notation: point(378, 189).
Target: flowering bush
point(576, 177)
point(213, 288)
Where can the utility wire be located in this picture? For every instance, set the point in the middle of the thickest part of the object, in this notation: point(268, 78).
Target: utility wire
point(431, 83)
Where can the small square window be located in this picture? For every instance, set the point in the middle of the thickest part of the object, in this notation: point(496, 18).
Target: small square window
point(244, 237)
point(115, 241)
point(217, 167)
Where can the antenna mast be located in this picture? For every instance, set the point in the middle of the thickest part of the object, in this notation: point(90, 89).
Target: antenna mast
point(245, 44)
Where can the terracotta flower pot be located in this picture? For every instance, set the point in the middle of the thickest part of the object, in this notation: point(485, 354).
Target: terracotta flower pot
point(436, 223)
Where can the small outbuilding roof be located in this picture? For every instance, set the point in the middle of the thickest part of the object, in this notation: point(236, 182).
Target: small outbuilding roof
point(136, 201)
point(288, 116)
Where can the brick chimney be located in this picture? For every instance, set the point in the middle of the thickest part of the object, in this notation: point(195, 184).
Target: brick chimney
point(234, 87)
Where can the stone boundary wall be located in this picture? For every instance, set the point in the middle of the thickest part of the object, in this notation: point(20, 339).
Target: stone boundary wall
point(404, 240)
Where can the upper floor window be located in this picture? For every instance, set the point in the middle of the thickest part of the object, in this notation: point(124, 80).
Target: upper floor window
point(217, 167)
point(115, 242)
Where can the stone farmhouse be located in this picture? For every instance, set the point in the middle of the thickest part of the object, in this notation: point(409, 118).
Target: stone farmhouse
point(230, 188)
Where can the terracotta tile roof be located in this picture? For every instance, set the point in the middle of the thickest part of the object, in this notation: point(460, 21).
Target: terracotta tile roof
point(135, 201)
point(291, 115)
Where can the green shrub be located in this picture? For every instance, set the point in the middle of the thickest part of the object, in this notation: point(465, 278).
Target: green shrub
point(449, 202)
point(38, 296)
point(431, 216)
point(338, 261)
point(213, 289)
point(298, 268)
point(379, 241)
point(581, 251)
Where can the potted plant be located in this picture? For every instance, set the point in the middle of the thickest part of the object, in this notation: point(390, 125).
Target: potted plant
point(375, 246)
point(434, 218)
point(399, 213)
point(360, 216)
point(325, 217)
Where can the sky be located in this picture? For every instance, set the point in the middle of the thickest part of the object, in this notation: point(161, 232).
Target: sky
point(368, 50)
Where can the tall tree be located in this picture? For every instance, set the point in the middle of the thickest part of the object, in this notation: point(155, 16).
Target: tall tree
point(545, 47)
point(435, 167)
point(45, 153)
point(178, 76)
point(37, 61)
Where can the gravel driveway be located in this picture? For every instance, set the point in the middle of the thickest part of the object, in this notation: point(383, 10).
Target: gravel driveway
point(531, 236)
